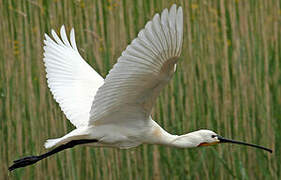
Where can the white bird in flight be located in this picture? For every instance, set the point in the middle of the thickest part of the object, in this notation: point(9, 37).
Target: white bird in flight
point(116, 111)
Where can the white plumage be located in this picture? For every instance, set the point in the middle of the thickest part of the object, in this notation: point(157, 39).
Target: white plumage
point(143, 69)
point(124, 100)
point(71, 80)
point(116, 112)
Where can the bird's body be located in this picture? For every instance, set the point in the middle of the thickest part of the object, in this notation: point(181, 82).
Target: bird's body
point(123, 135)
point(116, 111)
point(126, 135)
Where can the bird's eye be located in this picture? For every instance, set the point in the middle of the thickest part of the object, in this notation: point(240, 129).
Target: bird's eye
point(213, 136)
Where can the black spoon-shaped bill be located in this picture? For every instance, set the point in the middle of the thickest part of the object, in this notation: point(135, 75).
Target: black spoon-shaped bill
point(224, 140)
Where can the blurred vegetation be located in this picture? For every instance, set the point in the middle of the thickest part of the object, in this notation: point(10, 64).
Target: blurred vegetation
point(228, 80)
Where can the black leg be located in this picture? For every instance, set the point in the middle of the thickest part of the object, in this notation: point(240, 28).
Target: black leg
point(33, 159)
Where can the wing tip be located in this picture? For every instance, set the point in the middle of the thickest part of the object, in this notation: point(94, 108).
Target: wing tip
point(61, 39)
point(72, 39)
point(179, 11)
point(62, 31)
point(174, 6)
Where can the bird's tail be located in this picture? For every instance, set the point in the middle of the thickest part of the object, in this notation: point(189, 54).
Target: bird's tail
point(52, 142)
point(81, 133)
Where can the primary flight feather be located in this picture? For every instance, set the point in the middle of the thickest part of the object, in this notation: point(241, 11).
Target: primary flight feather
point(72, 81)
point(116, 111)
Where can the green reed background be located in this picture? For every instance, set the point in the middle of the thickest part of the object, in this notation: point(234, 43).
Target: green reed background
point(228, 80)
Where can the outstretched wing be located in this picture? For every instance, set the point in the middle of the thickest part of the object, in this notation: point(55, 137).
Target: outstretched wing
point(148, 63)
point(71, 80)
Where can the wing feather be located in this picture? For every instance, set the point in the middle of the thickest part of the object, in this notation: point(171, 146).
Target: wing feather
point(71, 80)
point(143, 69)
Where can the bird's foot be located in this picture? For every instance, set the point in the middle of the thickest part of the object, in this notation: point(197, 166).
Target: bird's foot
point(24, 162)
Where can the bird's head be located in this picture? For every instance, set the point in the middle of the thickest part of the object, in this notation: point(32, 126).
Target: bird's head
point(197, 138)
point(208, 138)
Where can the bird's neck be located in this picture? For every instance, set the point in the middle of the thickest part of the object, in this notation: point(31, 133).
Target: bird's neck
point(159, 136)
point(186, 141)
